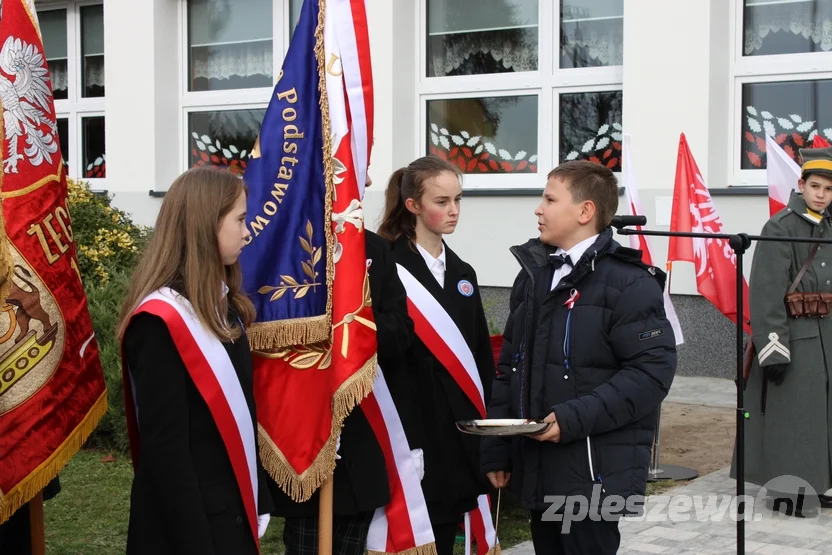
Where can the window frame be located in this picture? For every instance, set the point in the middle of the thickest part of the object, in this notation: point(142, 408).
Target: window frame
point(761, 69)
point(76, 106)
point(232, 99)
point(547, 83)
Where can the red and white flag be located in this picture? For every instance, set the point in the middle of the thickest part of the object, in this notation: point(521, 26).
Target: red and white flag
point(782, 174)
point(714, 259)
point(639, 242)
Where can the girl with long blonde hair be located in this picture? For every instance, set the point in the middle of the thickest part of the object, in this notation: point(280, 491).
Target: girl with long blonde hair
point(199, 486)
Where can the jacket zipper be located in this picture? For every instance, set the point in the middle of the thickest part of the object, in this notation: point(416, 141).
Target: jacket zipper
point(526, 325)
point(594, 473)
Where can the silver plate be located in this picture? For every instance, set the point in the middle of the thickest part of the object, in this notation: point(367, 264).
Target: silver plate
point(502, 427)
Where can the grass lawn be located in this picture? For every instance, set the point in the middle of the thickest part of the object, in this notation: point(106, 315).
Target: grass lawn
point(89, 516)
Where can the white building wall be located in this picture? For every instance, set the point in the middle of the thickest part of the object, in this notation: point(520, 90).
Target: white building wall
point(142, 126)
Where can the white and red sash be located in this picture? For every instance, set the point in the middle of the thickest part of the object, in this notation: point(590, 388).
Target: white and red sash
point(213, 373)
point(440, 334)
point(403, 525)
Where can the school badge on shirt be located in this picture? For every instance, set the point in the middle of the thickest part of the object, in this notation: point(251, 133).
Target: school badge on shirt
point(465, 287)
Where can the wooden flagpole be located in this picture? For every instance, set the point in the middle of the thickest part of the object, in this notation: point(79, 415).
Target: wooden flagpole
point(37, 528)
point(325, 517)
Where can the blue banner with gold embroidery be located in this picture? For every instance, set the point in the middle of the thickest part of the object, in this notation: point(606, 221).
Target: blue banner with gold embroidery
point(285, 265)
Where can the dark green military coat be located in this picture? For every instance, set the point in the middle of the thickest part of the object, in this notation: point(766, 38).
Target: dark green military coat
point(793, 437)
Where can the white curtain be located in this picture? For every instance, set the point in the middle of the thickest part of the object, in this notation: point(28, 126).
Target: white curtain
point(57, 72)
point(813, 20)
point(605, 43)
point(242, 60)
point(94, 71)
point(503, 47)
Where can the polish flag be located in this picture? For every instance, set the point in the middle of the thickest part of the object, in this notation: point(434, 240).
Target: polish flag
point(639, 242)
point(782, 174)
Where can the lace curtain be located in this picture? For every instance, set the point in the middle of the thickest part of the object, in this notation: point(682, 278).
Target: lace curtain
point(511, 49)
point(242, 60)
point(94, 71)
point(604, 43)
point(517, 50)
point(813, 20)
point(58, 74)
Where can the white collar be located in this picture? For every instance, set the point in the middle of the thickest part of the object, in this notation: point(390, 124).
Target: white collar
point(224, 290)
point(576, 252)
point(429, 259)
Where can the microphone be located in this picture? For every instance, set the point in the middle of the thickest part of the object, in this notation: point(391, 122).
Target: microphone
point(619, 222)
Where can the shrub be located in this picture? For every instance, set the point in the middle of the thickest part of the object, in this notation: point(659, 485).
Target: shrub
point(106, 239)
point(105, 304)
point(108, 245)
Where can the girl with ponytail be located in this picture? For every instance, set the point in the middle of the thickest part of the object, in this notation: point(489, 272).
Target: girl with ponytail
point(422, 207)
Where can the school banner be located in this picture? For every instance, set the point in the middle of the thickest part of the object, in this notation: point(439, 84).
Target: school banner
point(52, 390)
point(305, 268)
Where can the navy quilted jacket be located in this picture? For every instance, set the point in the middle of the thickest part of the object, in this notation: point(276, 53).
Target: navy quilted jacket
point(603, 367)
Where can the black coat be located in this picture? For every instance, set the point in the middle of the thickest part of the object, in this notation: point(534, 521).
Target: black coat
point(453, 479)
point(621, 363)
point(185, 498)
point(360, 480)
point(15, 533)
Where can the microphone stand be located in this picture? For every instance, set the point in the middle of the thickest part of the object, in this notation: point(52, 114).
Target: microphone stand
point(739, 242)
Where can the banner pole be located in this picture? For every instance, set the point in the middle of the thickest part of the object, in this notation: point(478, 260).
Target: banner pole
point(325, 517)
point(37, 528)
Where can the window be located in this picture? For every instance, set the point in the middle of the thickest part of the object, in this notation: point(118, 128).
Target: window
point(223, 138)
point(73, 41)
point(781, 80)
point(233, 51)
point(501, 93)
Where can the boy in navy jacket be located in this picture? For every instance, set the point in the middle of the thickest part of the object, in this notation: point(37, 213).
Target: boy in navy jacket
point(587, 348)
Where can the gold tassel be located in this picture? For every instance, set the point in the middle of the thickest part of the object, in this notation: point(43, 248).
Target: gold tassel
point(265, 336)
point(427, 549)
point(34, 483)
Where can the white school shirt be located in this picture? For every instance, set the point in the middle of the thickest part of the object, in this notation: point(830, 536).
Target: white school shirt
point(435, 265)
point(575, 254)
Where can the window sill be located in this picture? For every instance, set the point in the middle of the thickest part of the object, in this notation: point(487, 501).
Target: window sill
point(739, 191)
point(518, 192)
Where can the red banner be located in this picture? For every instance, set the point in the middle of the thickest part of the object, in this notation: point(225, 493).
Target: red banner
point(714, 259)
point(52, 390)
point(305, 389)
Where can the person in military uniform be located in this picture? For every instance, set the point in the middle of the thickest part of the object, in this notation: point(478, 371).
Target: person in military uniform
point(789, 432)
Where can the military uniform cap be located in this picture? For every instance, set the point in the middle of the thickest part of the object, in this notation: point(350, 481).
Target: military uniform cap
point(816, 160)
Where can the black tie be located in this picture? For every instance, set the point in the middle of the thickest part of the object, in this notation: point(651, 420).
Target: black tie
point(559, 260)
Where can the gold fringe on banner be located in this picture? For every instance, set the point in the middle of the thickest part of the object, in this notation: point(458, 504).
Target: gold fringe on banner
point(34, 483)
point(427, 549)
point(277, 334)
point(6, 265)
point(329, 172)
point(300, 487)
